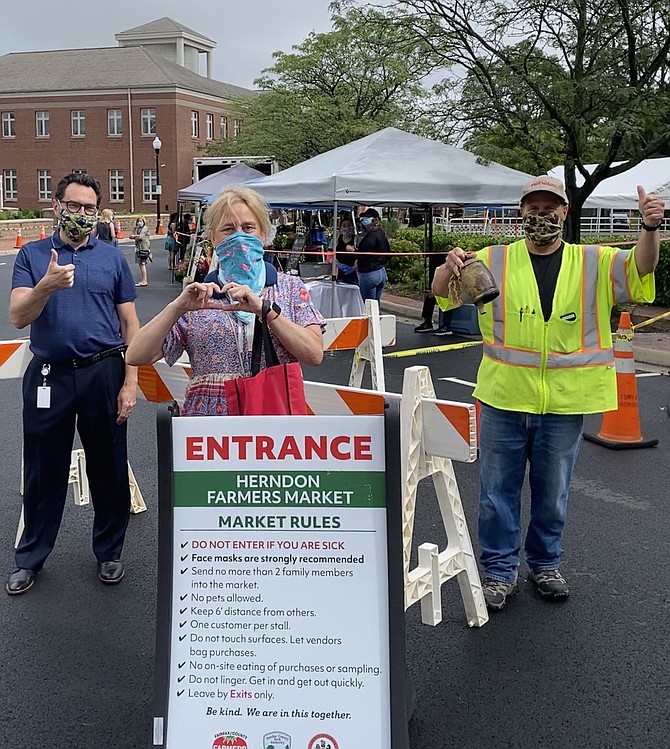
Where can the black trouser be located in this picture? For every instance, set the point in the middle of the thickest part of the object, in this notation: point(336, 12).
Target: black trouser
point(86, 398)
point(434, 262)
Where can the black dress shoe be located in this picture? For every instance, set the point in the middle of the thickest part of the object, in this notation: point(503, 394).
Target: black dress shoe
point(20, 581)
point(111, 572)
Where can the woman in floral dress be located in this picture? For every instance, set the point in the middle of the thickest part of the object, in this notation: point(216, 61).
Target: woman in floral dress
point(217, 333)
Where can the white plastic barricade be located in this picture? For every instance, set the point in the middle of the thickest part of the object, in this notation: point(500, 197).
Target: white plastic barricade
point(428, 429)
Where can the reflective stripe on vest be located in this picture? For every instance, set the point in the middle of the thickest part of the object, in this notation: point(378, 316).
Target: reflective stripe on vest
point(622, 291)
point(592, 353)
point(497, 259)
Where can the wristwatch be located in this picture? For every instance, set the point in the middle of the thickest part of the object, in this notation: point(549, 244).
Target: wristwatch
point(651, 228)
point(269, 306)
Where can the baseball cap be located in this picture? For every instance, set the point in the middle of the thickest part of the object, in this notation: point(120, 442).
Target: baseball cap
point(544, 183)
point(371, 212)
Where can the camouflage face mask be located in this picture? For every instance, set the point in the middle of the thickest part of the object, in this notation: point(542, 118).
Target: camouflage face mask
point(76, 226)
point(542, 230)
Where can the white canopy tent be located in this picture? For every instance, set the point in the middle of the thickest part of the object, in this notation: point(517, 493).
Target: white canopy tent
point(392, 167)
point(214, 183)
point(620, 192)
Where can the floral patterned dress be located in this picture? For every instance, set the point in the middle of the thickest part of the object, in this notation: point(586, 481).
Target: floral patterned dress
point(219, 346)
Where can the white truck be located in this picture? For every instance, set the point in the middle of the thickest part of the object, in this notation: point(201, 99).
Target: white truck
point(203, 166)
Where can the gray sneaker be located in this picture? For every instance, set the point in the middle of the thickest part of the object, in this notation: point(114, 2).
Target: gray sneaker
point(496, 592)
point(550, 584)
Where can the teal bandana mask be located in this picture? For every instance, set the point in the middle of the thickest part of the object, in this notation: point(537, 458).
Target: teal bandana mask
point(240, 259)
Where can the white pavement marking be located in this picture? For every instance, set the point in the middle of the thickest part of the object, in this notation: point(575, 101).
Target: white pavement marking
point(649, 374)
point(457, 381)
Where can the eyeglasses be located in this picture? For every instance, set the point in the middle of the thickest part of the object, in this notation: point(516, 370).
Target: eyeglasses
point(89, 210)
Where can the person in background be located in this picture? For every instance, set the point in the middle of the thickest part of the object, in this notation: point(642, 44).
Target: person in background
point(434, 262)
point(104, 230)
point(346, 265)
point(547, 360)
point(184, 239)
point(170, 241)
point(142, 248)
point(371, 266)
point(77, 295)
point(216, 333)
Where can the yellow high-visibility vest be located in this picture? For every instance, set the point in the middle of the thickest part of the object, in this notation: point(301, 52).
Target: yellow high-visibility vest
point(564, 365)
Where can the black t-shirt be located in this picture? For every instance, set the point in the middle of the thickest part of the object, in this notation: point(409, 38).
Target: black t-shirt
point(104, 231)
point(546, 269)
point(373, 241)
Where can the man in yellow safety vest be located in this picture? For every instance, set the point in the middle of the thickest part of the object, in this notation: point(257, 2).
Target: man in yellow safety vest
point(547, 360)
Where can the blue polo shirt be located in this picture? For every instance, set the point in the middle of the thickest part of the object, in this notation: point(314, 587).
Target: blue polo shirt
point(80, 321)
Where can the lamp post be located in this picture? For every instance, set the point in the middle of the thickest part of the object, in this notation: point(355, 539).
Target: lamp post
point(157, 149)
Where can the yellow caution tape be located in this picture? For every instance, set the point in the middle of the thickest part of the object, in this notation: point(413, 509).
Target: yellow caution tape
point(430, 350)
point(650, 320)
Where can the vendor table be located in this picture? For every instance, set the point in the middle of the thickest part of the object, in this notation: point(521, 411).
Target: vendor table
point(336, 299)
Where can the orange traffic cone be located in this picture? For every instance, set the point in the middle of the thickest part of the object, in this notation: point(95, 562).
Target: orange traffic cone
point(117, 230)
point(43, 234)
point(161, 228)
point(620, 429)
point(19, 240)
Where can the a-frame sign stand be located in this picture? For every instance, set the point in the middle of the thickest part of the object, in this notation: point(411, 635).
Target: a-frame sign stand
point(280, 583)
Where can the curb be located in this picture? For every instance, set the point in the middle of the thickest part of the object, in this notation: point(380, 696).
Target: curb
point(401, 310)
point(655, 357)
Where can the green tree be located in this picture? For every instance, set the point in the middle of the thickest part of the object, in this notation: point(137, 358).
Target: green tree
point(333, 88)
point(534, 83)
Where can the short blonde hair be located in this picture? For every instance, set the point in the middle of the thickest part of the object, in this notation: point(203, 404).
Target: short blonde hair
point(106, 215)
point(234, 196)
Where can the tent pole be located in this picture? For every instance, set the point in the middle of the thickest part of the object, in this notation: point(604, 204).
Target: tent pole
point(333, 265)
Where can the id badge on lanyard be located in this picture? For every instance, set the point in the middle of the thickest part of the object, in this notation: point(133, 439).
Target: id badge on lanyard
point(43, 390)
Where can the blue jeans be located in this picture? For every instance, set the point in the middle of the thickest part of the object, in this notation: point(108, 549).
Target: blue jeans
point(508, 440)
point(372, 283)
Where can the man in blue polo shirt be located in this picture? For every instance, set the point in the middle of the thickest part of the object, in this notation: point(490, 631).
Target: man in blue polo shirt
point(78, 296)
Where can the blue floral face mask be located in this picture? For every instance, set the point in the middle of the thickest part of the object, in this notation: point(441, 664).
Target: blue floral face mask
point(240, 257)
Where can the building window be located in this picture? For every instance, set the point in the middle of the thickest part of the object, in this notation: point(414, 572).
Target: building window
point(11, 184)
point(42, 124)
point(148, 118)
point(116, 192)
point(114, 122)
point(78, 119)
point(149, 184)
point(195, 125)
point(223, 128)
point(236, 128)
point(44, 184)
point(8, 125)
point(210, 127)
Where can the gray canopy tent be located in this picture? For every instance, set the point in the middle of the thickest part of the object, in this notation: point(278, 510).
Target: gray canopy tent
point(391, 168)
point(214, 183)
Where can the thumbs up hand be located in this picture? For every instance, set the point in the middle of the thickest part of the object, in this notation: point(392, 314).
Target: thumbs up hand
point(651, 207)
point(59, 276)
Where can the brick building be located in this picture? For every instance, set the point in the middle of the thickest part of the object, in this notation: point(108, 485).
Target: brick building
point(100, 110)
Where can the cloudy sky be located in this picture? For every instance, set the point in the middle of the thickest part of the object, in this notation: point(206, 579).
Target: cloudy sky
point(247, 32)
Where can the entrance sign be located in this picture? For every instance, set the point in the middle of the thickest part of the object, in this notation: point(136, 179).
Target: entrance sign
point(278, 623)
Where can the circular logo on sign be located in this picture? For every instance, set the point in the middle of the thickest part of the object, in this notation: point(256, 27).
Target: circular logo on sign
point(323, 741)
point(230, 738)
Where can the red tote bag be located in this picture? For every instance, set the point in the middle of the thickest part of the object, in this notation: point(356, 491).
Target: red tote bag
point(276, 391)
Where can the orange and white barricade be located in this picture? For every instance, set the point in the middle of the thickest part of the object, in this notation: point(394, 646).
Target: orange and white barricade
point(367, 336)
point(432, 433)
